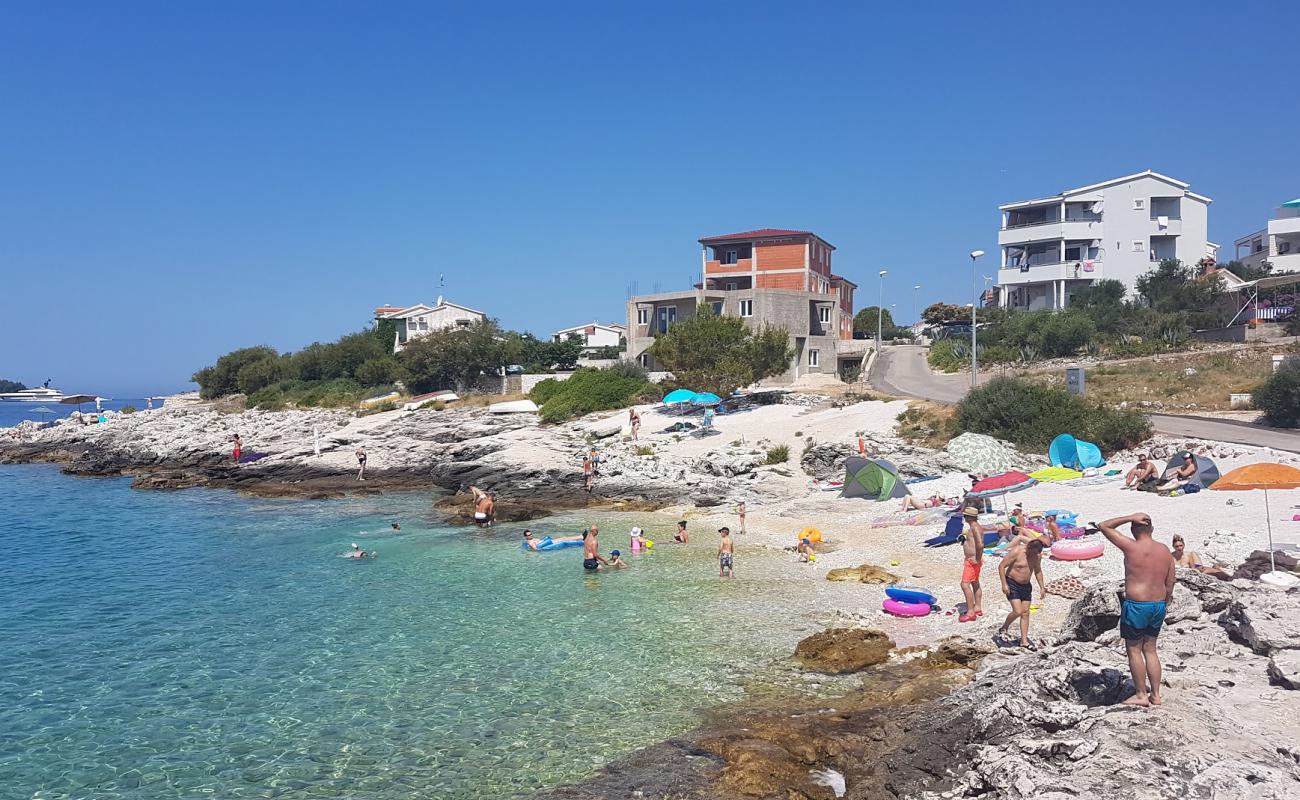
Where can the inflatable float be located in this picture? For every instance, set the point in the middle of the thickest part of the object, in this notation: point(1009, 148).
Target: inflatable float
point(909, 594)
point(900, 609)
point(1078, 549)
point(549, 544)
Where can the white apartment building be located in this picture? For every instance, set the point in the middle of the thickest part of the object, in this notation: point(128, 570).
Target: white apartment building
point(1278, 244)
point(1116, 229)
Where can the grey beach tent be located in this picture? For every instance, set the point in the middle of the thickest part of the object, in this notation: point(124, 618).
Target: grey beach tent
point(1206, 470)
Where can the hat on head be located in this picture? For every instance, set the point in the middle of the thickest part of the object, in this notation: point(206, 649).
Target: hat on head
point(354, 544)
point(636, 531)
point(724, 529)
point(613, 552)
point(970, 511)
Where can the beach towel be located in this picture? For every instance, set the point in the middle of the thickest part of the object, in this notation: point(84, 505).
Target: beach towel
point(248, 458)
point(1067, 587)
point(921, 479)
point(1054, 474)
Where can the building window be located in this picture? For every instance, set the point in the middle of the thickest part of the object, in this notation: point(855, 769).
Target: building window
point(729, 257)
point(644, 360)
point(824, 314)
point(731, 286)
point(717, 309)
point(746, 308)
point(812, 358)
point(643, 316)
point(1139, 203)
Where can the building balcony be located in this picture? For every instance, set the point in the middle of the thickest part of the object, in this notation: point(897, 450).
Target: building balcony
point(1283, 226)
point(740, 265)
point(1285, 263)
point(1042, 273)
point(1048, 231)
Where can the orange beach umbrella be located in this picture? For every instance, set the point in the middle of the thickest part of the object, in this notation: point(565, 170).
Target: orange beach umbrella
point(1261, 476)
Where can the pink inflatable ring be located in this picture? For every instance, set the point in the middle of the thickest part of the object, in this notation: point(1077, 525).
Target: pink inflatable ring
point(1078, 549)
point(900, 609)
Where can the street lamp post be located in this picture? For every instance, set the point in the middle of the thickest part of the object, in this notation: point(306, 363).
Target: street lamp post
point(915, 289)
point(974, 341)
point(880, 309)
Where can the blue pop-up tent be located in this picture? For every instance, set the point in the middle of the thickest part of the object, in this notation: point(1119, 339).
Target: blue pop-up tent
point(1067, 451)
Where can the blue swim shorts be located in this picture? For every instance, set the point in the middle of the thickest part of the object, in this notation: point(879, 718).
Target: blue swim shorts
point(1141, 619)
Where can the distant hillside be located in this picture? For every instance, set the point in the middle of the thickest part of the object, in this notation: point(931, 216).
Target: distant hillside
point(10, 386)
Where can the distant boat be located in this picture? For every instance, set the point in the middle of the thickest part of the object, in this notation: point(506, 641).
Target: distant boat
point(41, 394)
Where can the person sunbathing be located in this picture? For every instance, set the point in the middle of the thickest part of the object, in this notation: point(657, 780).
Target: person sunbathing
point(1184, 557)
point(1176, 477)
point(1143, 472)
point(910, 503)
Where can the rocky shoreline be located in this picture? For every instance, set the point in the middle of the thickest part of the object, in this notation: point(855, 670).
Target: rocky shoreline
point(960, 719)
point(535, 469)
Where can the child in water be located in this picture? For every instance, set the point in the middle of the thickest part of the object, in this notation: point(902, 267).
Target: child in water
point(616, 560)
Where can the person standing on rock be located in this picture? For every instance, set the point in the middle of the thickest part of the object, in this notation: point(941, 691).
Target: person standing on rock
point(588, 473)
point(238, 449)
point(740, 512)
point(634, 421)
point(1019, 566)
point(1148, 588)
point(484, 507)
point(972, 546)
point(361, 459)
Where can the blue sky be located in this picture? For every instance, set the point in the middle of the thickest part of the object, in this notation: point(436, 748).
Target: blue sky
point(178, 180)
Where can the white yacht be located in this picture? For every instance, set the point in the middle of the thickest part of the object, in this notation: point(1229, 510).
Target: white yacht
point(41, 394)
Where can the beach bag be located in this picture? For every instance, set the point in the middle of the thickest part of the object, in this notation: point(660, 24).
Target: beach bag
point(1191, 488)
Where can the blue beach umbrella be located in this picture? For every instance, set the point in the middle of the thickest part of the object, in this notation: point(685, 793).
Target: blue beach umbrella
point(42, 410)
point(706, 399)
point(679, 396)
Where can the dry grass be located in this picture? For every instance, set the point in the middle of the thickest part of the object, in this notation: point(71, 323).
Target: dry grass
point(477, 400)
point(928, 424)
point(1164, 381)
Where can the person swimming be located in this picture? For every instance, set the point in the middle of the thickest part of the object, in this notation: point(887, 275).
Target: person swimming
point(357, 552)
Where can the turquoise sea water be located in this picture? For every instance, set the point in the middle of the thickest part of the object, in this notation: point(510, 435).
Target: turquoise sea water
point(199, 643)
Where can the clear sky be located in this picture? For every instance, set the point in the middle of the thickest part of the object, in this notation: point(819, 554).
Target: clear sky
point(180, 179)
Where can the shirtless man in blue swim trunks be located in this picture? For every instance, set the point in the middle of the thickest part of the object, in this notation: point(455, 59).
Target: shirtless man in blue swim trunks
point(1148, 588)
point(591, 557)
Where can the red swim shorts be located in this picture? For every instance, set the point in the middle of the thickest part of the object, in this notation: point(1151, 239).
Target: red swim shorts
point(971, 572)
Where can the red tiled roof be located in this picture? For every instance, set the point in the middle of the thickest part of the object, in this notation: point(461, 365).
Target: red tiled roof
point(386, 310)
point(762, 233)
point(843, 279)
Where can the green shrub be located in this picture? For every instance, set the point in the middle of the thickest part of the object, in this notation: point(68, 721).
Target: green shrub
point(257, 375)
point(128, 409)
point(586, 391)
point(222, 378)
point(645, 450)
point(944, 355)
point(383, 371)
point(778, 454)
point(545, 390)
point(436, 405)
point(1279, 398)
point(1031, 416)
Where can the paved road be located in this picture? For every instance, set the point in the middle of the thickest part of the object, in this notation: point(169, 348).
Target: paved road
point(903, 370)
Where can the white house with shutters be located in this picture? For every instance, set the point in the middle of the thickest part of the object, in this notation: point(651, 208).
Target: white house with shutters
point(594, 335)
point(1120, 229)
point(422, 319)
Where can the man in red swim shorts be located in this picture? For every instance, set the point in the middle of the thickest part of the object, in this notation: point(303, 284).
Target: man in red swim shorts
point(972, 547)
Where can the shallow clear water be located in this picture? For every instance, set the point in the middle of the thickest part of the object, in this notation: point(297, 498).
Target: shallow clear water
point(190, 643)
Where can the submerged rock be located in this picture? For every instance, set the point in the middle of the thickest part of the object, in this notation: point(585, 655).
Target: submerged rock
point(866, 573)
point(841, 650)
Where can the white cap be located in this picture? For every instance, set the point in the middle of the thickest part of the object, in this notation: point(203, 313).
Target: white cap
point(636, 531)
point(354, 544)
